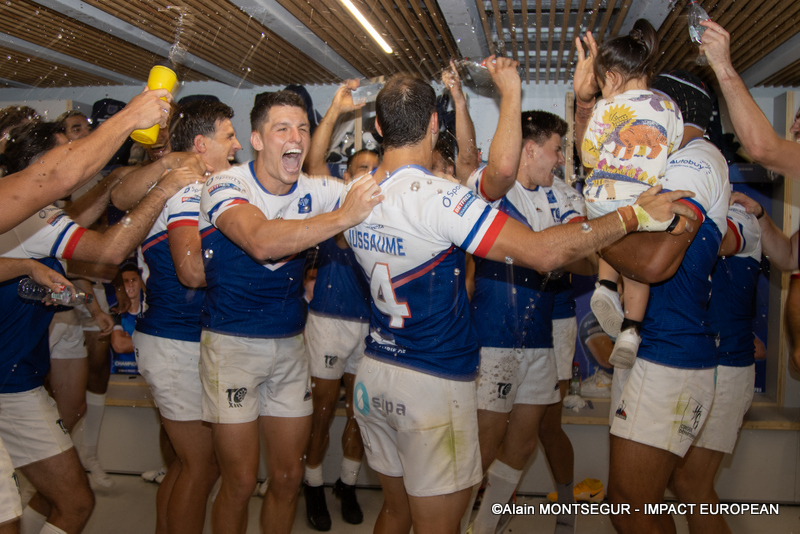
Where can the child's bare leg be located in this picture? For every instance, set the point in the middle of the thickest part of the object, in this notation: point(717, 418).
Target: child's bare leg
point(627, 344)
point(606, 272)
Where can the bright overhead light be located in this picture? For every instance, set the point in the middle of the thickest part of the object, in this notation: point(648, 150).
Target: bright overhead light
point(367, 26)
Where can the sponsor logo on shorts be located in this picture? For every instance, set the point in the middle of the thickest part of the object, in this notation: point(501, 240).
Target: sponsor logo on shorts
point(16, 481)
point(361, 399)
point(62, 426)
point(693, 417)
point(304, 204)
point(621, 411)
point(503, 389)
point(330, 361)
point(236, 396)
point(388, 407)
point(307, 396)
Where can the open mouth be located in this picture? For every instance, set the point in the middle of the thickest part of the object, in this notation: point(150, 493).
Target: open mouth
point(292, 161)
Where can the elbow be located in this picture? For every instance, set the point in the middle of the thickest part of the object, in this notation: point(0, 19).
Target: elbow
point(192, 280)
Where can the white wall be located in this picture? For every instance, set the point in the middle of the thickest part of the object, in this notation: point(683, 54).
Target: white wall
point(484, 110)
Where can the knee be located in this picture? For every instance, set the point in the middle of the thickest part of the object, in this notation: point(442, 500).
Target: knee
point(285, 481)
point(78, 502)
point(239, 487)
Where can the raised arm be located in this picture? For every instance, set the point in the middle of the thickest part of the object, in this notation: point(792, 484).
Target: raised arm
point(563, 244)
point(271, 239)
point(65, 168)
point(135, 184)
point(467, 158)
point(752, 128)
point(781, 250)
point(504, 152)
point(584, 85)
point(321, 140)
point(116, 243)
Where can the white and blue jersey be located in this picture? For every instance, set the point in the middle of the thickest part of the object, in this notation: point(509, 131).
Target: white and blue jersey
point(567, 205)
point(246, 297)
point(676, 330)
point(46, 236)
point(733, 294)
point(173, 310)
point(510, 308)
point(340, 290)
point(411, 248)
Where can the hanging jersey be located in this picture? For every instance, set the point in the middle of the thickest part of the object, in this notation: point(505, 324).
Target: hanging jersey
point(676, 330)
point(411, 247)
point(341, 289)
point(245, 297)
point(46, 236)
point(627, 143)
point(173, 310)
point(510, 308)
point(733, 294)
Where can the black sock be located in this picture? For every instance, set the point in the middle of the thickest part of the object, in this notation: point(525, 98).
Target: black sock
point(630, 323)
point(609, 284)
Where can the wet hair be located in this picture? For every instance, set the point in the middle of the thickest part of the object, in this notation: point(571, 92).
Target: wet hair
point(403, 110)
point(444, 146)
point(352, 158)
point(28, 142)
point(538, 126)
point(630, 56)
point(67, 114)
point(260, 112)
point(12, 116)
point(199, 117)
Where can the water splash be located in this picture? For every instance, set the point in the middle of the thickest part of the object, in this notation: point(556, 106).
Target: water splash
point(177, 52)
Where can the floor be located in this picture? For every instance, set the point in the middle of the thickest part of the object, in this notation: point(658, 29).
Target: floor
point(129, 508)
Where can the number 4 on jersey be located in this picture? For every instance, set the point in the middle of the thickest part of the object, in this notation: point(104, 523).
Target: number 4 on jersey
point(380, 286)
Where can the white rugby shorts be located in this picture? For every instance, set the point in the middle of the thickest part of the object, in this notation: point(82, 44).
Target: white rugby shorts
point(334, 346)
point(732, 399)
point(516, 376)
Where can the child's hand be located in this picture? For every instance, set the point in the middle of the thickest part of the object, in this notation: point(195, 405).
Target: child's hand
point(583, 82)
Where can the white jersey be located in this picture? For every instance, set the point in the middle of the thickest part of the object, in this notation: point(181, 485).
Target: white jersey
point(566, 203)
point(245, 297)
point(411, 248)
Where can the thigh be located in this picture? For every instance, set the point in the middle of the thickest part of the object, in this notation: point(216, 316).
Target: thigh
point(192, 440)
point(638, 473)
point(286, 440)
point(439, 514)
point(287, 390)
point(31, 427)
point(237, 449)
point(58, 477)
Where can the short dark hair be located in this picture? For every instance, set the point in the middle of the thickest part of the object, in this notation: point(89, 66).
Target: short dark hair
point(631, 56)
point(352, 158)
point(444, 146)
point(12, 116)
point(67, 114)
point(403, 109)
point(260, 112)
point(28, 141)
point(195, 118)
point(538, 126)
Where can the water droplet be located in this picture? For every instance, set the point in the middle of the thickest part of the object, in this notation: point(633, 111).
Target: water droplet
point(208, 254)
point(415, 186)
point(126, 221)
point(509, 260)
point(456, 271)
point(585, 227)
point(430, 182)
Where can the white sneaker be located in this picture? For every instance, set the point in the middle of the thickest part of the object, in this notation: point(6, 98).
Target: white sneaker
point(155, 475)
point(101, 478)
point(597, 386)
point(607, 309)
point(625, 349)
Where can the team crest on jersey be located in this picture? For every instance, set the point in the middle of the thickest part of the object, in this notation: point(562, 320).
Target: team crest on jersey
point(220, 187)
point(304, 204)
point(464, 204)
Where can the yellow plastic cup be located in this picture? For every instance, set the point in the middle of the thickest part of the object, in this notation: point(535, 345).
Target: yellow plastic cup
point(160, 77)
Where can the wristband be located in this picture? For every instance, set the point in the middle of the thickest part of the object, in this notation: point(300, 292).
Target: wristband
point(674, 223)
point(630, 222)
point(762, 212)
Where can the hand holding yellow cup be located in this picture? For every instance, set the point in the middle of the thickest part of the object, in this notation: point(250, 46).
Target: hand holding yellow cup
point(161, 77)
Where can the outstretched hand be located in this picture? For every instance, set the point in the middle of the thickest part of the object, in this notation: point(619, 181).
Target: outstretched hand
point(716, 46)
point(505, 74)
point(583, 81)
point(363, 194)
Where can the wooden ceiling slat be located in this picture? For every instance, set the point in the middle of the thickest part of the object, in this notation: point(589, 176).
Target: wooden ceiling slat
point(485, 23)
point(525, 44)
point(443, 30)
point(401, 34)
point(499, 28)
point(789, 73)
point(758, 26)
point(538, 38)
point(39, 72)
point(575, 33)
point(399, 62)
point(564, 26)
point(414, 26)
point(342, 46)
point(606, 18)
point(623, 12)
point(441, 53)
point(764, 33)
point(675, 40)
point(399, 38)
point(512, 28)
point(551, 31)
point(767, 45)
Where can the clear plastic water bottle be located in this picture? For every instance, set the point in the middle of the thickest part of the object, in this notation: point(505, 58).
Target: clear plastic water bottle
point(28, 289)
point(697, 15)
point(575, 381)
point(366, 92)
